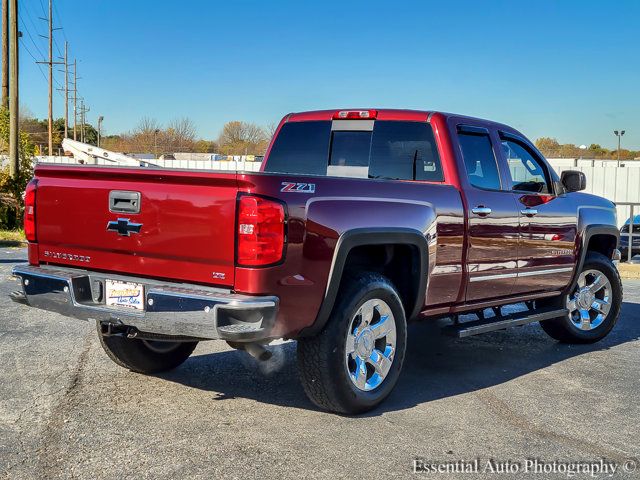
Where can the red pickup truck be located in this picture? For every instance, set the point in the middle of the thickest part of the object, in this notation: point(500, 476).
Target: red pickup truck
point(360, 221)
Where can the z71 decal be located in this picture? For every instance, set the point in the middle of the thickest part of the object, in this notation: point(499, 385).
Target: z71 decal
point(298, 187)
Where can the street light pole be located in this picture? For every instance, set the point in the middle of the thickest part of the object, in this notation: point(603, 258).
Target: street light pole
point(155, 141)
point(618, 134)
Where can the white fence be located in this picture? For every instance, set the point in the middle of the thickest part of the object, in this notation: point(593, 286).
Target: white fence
point(616, 181)
point(245, 166)
point(226, 165)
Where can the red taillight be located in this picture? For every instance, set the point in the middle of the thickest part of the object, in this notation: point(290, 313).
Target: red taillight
point(30, 211)
point(355, 115)
point(260, 231)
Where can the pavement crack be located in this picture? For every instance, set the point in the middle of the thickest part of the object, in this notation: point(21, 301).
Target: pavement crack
point(50, 453)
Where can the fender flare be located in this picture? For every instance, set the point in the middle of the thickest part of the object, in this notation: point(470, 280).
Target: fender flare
point(590, 231)
point(370, 236)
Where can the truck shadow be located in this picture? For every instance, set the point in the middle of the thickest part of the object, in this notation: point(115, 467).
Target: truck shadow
point(436, 366)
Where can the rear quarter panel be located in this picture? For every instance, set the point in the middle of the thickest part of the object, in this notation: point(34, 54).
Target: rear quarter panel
point(316, 222)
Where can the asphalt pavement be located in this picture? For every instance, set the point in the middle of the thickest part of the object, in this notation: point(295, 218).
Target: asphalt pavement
point(66, 411)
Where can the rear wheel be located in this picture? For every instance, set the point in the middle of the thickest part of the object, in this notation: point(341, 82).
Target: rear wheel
point(145, 356)
point(593, 305)
point(355, 362)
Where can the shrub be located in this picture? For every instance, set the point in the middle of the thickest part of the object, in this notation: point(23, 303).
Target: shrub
point(12, 189)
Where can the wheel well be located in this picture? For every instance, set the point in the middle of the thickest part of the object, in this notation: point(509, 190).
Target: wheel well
point(602, 243)
point(400, 263)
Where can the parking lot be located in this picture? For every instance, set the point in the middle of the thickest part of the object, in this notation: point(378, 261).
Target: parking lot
point(67, 411)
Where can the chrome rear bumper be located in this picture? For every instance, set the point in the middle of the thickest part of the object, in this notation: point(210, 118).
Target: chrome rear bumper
point(170, 308)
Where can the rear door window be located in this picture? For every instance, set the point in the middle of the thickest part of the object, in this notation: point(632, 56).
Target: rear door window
point(404, 151)
point(479, 160)
point(301, 148)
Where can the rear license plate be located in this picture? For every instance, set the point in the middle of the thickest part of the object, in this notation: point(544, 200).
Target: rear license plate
point(124, 294)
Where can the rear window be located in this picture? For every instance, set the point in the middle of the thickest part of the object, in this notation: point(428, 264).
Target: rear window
point(404, 151)
point(350, 149)
point(394, 150)
point(349, 154)
point(301, 148)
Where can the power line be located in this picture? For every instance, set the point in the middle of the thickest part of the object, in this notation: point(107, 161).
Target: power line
point(36, 60)
point(33, 23)
point(32, 40)
point(56, 44)
point(39, 67)
point(44, 12)
point(52, 14)
point(55, 9)
point(26, 11)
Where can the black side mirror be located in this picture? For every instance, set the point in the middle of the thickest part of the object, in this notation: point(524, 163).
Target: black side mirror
point(573, 180)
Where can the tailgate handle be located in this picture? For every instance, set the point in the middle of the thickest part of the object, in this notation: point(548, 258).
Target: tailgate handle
point(121, 201)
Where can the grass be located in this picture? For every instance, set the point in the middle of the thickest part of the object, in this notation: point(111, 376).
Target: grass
point(12, 238)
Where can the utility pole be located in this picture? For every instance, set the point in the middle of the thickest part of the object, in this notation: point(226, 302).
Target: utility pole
point(51, 63)
point(66, 90)
point(75, 98)
point(83, 120)
point(14, 163)
point(5, 53)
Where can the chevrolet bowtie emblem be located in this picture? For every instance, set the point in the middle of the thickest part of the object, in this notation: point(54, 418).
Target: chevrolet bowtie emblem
point(124, 227)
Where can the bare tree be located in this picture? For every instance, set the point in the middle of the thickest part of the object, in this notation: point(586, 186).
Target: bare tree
point(179, 135)
point(143, 138)
point(239, 138)
point(270, 129)
point(236, 138)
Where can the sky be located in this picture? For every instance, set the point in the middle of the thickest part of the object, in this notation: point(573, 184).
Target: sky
point(564, 69)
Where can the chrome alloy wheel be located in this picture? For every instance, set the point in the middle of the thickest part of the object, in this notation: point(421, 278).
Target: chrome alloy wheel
point(591, 301)
point(371, 344)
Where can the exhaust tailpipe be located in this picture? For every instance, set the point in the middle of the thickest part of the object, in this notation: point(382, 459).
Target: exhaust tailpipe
point(257, 351)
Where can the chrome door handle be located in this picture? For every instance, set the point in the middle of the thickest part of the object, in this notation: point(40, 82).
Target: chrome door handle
point(482, 211)
point(529, 212)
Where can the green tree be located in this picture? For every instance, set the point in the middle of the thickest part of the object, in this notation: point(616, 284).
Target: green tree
point(12, 189)
point(90, 134)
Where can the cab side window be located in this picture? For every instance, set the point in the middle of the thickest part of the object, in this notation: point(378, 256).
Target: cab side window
point(404, 151)
point(528, 174)
point(479, 159)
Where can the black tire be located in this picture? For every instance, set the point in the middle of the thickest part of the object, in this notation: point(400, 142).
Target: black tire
point(323, 361)
point(143, 356)
point(564, 329)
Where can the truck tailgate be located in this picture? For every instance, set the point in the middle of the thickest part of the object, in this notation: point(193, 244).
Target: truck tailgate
point(186, 219)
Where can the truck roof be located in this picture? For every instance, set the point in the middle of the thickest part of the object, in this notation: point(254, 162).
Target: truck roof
point(382, 114)
point(387, 114)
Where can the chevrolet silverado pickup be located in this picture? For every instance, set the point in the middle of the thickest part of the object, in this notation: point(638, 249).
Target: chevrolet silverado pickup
point(358, 222)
